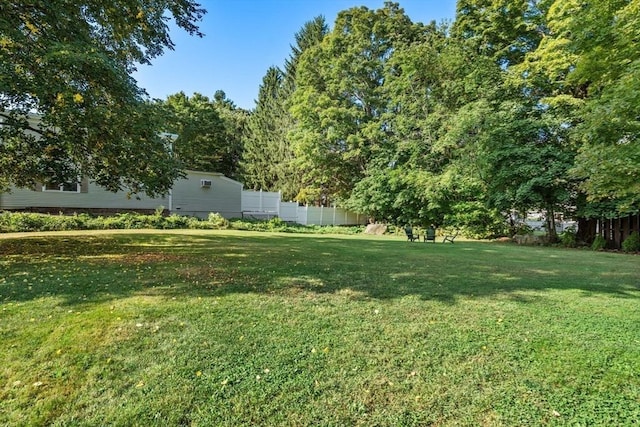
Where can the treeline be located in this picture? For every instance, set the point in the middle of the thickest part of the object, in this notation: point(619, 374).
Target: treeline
point(518, 105)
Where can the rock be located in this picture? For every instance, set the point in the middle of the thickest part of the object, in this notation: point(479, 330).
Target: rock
point(377, 229)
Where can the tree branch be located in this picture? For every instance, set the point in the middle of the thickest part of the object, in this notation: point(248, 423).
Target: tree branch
point(14, 123)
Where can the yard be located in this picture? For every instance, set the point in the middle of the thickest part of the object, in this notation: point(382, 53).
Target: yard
point(240, 328)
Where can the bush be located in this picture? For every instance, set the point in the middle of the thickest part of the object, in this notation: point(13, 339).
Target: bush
point(217, 221)
point(632, 243)
point(174, 221)
point(568, 237)
point(21, 222)
point(598, 243)
point(522, 229)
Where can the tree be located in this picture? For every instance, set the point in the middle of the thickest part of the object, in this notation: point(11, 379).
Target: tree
point(590, 60)
point(266, 152)
point(528, 157)
point(209, 131)
point(269, 160)
point(520, 138)
point(504, 30)
point(234, 122)
point(338, 101)
point(70, 62)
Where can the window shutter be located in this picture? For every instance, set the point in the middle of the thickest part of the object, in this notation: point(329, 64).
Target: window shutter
point(37, 186)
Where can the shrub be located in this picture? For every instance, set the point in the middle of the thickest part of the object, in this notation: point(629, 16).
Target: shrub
point(632, 243)
point(522, 229)
point(217, 221)
point(568, 237)
point(174, 221)
point(598, 243)
point(21, 222)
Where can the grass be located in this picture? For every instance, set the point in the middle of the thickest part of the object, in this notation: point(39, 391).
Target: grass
point(237, 328)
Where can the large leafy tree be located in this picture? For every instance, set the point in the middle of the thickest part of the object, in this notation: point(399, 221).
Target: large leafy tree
point(504, 30)
point(520, 139)
point(589, 62)
point(529, 156)
point(69, 62)
point(199, 128)
point(339, 99)
point(401, 182)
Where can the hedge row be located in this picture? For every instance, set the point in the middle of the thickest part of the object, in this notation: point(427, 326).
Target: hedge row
point(24, 222)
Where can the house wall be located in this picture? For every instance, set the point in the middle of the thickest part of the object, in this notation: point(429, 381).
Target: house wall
point(188, 197)
point(93, 198)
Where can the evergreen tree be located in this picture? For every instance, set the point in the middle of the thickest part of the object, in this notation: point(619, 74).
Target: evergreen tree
point(269, 161)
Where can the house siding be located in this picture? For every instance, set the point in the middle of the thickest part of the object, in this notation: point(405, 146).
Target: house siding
point(191, 199)
point(95, 197)
point(187, 197)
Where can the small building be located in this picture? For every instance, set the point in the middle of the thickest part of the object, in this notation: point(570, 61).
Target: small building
point(196, 195)
point(201, 193)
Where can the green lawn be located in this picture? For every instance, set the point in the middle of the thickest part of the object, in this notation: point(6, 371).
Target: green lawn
point(237, 328)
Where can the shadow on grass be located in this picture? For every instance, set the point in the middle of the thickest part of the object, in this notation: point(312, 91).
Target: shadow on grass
point(89, 268)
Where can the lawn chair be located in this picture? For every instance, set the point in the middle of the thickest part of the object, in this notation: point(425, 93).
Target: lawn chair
point(430, 235)
point(450, 237)
point(410, 236)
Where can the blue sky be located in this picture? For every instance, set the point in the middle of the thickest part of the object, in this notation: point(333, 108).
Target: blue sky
point(243, 38)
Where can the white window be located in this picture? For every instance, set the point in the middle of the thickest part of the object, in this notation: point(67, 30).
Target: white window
point(67, 187)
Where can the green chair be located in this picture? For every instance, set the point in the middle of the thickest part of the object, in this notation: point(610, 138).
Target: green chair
point(410, 236)
point(430, 235)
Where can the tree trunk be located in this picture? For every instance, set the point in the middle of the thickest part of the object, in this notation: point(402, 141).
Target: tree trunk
point(586, 232)
point(552, 235)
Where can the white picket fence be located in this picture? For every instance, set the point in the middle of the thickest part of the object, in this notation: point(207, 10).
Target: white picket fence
point(266, 205)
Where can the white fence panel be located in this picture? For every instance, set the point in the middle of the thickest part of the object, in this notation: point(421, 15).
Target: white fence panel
point(301, 214)
point(266, 204)
point(288, 211)
point(260, 201)
point(314, 215)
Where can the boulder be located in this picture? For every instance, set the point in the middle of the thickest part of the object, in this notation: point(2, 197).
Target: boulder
point(377, 229)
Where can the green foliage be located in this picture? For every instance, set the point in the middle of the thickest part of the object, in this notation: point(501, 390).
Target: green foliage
point(70, 63)
point(503, 30)
point(267, 155)
point(209, 132)
point(522, 229)
point(339, 100)
point(568, 237)
point(217, 220)
point(589, 62)
point(278, 225)
point(477, 221)
point(268, 158)
point(632, 243)
point(11, 222)
point(599, 243)
point(25, 221)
